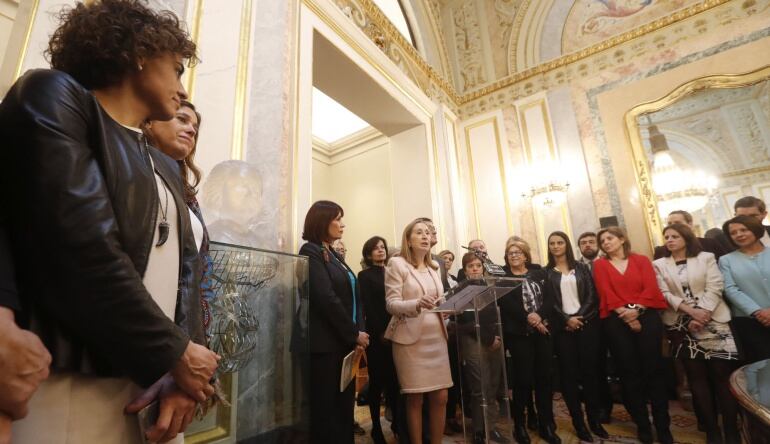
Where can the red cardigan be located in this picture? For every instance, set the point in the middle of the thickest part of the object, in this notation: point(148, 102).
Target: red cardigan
point(638, 285)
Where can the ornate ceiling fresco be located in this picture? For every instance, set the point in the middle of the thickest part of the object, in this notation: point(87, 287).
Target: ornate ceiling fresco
point(494, 50)
point(593, 21)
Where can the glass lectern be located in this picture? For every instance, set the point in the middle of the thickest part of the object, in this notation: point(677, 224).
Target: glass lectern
point(475, 327)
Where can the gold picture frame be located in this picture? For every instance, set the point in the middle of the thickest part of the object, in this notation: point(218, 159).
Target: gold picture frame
point(642, 172)
point(223, 415)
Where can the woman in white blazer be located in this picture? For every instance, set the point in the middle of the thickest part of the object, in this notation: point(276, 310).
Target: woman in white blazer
point(697, 323)
point(412, 288)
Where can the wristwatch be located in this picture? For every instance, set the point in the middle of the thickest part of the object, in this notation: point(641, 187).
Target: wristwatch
point(638, 307)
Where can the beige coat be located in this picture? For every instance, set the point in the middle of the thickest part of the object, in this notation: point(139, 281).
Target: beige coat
point(403, 291)
point(705, 282)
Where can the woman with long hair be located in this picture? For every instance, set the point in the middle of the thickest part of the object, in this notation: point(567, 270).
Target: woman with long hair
point(576, 333)
point(117, 301)
point(336, 325)
point(413, 288)
point(379, 355)
point(526, 313)
point(697, 326)
point(178, 139)
point(629, 300)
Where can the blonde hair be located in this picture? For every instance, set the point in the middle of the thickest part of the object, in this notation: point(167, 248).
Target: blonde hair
point(521, 245)
point(513, 239)
point(406, 251)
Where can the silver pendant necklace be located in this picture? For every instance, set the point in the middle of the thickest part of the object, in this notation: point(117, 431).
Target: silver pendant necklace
point(163, 227)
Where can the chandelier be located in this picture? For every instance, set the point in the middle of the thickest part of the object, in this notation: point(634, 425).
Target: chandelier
point(676, 188)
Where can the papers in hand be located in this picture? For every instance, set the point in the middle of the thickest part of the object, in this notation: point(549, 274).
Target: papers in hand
point(349, 369)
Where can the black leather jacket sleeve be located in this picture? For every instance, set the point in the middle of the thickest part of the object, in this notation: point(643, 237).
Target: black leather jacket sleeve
point(100, 297)
point(589, 306)
point(8, 295)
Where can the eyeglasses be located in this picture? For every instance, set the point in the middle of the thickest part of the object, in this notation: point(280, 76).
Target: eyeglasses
point(515, 253)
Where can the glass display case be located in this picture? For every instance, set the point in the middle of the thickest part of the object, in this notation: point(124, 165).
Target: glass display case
point(259, 326)
point(475, 327)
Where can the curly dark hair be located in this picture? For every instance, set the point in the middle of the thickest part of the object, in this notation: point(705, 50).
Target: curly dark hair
point(99, 44)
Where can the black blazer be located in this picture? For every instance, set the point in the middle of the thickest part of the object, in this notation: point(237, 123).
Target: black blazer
point(331, 302)
point(708, 245)
point(589, 300)
point(372, 285)
point(512, 313)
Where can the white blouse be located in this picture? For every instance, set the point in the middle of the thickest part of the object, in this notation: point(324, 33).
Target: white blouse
point(570, 303)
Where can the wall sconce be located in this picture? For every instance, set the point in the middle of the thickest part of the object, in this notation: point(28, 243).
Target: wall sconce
point(545, 184)
point(551, 194)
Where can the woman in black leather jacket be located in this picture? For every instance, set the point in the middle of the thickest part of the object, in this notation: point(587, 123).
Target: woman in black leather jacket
point(576, 333)
point(85, 200)
point(525, 314)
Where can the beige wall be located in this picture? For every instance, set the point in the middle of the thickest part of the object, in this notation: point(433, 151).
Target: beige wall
point(361, 184)
point(8, 10)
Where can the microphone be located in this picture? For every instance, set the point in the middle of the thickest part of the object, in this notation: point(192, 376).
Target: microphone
point(489, 266)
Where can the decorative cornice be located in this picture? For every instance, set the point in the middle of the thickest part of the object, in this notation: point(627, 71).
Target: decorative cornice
point(375, 25)
point(350, 146)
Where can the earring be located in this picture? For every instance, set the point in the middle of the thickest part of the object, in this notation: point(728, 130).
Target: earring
point(140, 67)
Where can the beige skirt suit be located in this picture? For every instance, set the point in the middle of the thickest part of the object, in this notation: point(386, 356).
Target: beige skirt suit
point(419, 337)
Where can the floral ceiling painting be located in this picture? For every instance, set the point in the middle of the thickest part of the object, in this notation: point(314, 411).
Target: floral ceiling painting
point(592, 21)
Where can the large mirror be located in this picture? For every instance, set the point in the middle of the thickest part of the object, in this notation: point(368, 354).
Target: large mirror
point(702, 147)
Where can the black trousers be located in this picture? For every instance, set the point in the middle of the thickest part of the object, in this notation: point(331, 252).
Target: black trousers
point(383, 381)
point(578, 354)
point(753, 338)
point(331, 412)
point(640, 366)
point(532, 357)
point(453, 394)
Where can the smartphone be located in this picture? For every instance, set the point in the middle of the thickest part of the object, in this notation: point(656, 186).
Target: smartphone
point(147, 417)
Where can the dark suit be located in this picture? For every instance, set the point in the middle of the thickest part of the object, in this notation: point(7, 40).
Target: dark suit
point(530, 351)
point(442, 271)
point(333, 334)
point(708, 245)
point(578, 351)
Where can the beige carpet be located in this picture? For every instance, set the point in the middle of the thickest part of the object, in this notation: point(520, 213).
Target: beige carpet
point(621, 430)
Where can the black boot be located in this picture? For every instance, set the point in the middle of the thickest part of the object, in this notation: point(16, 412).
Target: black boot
point(597, 429)
point(479, 438)
point(582, 431)
point(732, 436)
point(714, 436)
point(548, 433)
point(520, 434)
point(644, 433)
point(532, 422)
point(665, 436)
point(377, 436)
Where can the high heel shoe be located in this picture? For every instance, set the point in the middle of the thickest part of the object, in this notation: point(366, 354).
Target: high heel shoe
point(520, 434)
point(598, 429)
point(582, 431)
point(548, 433)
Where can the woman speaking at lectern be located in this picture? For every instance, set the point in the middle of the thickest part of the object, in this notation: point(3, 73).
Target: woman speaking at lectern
point(412, 288)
